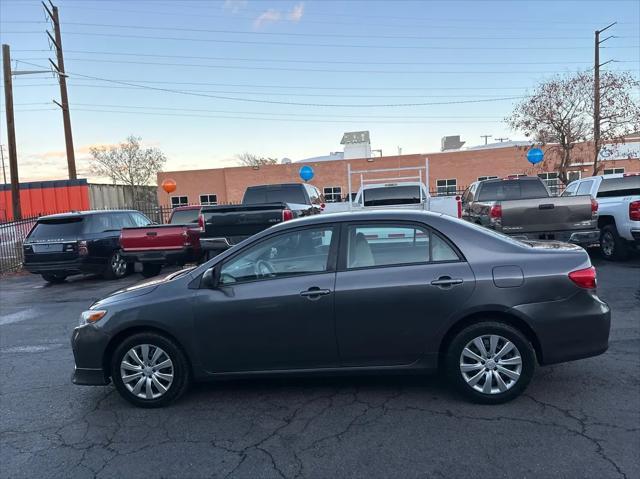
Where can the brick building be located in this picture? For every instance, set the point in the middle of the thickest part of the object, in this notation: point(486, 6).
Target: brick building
point(448, 171)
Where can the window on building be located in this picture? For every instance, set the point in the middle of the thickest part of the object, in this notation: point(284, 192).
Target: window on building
point(332, 194)
point(208, 200)
point(573, 175)
point(447, 187)
point(552, 181)
point(482, 178)
point(179, 201)
point(517, 175)
point(613, 171)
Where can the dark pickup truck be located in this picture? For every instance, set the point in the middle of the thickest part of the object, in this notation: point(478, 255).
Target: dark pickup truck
point(523, 208)
point(177, 242)
point(262, 206)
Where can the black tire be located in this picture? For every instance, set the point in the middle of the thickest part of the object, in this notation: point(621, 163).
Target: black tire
point(506, 332)
point(180, 370)
point(54, 278)
point(612, 246)
point(117, 267)
point(149, 270)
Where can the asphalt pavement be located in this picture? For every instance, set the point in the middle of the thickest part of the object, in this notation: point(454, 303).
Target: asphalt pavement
point(579, 419)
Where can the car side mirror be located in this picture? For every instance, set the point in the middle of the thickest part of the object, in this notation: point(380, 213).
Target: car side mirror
point(209, 279)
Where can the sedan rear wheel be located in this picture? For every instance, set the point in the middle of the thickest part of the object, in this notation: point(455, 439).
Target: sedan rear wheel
point(490, 362)
point(149, 370)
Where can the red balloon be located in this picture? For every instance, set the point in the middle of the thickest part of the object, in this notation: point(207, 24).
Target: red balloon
point(169, 185)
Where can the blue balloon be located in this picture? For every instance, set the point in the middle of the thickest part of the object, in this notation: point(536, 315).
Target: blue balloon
point(535, 155)
point(306, 173)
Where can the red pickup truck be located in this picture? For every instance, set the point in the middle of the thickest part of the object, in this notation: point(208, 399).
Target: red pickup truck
point(177, 242)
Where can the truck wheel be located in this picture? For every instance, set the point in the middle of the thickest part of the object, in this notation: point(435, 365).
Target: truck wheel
point(149, 270)
point(116, 267)
point(613, 247)
point(54, 278)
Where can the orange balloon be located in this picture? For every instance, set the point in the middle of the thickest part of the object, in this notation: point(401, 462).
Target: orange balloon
point(169, 185)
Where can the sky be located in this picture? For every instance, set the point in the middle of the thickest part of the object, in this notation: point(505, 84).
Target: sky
point(205, 80)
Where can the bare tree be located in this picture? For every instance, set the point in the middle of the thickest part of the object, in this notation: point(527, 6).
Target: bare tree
point(249, 159)
point(619, 113)
point(559, 113)
point(127, 163)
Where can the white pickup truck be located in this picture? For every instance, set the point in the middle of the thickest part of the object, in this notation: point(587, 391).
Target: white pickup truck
point(396, 192)
point(618, 197)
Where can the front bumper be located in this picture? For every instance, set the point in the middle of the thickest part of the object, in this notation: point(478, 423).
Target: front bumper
point(89, 345)
point(573, 328)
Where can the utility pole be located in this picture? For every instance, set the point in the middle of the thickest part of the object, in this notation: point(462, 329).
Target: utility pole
point(502, 139)
point(11, 132)
point(596, 94)
point(56, 40)
point(4, 173)
point(486, 137)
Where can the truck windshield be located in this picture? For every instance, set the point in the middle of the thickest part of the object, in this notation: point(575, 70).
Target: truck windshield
point(391, 195)
point(624, 186)
point(62, 228)
point(275, 194)
point(184, 217)
point(512, 190)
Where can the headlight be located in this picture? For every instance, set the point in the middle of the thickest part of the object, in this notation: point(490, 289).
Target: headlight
point(91, 316)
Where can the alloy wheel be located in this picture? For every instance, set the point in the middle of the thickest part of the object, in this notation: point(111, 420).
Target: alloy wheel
point(607, 243)
point(490, 364)
point(147, 371)
point(118, 265)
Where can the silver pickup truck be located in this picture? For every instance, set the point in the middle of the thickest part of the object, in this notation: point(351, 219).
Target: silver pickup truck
point(523, 208)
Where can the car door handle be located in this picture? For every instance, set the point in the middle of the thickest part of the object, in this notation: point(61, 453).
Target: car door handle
point(314, 293)
point(152, 233)
point(446, 281)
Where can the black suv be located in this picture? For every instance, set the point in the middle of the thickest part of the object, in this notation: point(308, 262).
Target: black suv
point(79, 242)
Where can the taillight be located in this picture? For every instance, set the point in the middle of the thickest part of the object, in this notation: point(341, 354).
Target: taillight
point(495, 212)
point(83, 248)
point(322, 205)
point(201, 222)
point(634, 210)
point(584, 278)
point(287, 215)
point(594, 207)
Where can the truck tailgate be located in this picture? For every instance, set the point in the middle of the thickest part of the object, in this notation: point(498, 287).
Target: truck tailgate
point(547, 214)
point(242, 220)
point(156, 237)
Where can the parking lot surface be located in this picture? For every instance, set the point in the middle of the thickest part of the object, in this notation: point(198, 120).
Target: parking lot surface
point(580, 419)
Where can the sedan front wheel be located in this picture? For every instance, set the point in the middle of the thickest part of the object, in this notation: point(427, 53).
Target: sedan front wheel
point(149, 370)
point(490, 362)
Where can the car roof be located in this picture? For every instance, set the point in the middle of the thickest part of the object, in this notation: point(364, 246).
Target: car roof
point(79, 214)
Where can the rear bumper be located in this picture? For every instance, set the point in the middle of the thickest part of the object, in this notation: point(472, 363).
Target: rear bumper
point(635, 234)
point(89, 345)
point(76, 266)
point(582, 238)
point(172, 256)
point(573, 328)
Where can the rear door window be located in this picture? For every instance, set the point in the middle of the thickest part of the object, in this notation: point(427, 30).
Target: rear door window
point(624, 186)
point(571, 190)
point(54, 229)
point(391, 195)
point(584, 188)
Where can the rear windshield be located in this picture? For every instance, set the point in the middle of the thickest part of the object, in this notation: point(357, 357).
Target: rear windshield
point(624, 186)
point(184, 217)
point(391, 195)
point(512, 190)
point(275, 194)
point(57, 229)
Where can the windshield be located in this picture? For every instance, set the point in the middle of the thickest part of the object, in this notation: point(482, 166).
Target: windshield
point(57, 229)
point(512, 190)
point(183, 217)
point(392, 195)
point(624, 186)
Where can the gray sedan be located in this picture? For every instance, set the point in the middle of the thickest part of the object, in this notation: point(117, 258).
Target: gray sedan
point(351, 293)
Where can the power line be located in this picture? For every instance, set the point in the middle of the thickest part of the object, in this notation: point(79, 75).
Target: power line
point(324, 45)
point(275, 102)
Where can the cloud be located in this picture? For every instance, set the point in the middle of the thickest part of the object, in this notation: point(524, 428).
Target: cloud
point(234, 6)
point(296, 12)
point(274, 16)
point(269, 16)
